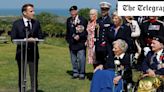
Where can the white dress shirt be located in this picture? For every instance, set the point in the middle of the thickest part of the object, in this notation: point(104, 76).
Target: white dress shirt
point(25, 20)
point(120, 56)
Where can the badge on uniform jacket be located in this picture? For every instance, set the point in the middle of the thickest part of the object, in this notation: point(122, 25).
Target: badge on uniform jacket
point(79, 28)
point(106, 25)
point(97, 29)
point(154, 27)
point(161, 58)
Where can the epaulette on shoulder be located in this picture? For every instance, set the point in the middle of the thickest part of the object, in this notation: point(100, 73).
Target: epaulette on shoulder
point(160, 22)
point(145, 21)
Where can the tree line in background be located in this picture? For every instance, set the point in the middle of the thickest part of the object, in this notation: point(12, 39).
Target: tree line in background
point(52, 25)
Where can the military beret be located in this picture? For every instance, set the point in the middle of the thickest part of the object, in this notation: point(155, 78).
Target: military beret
point(73, 8)
point(159, 38)
point(105, 5)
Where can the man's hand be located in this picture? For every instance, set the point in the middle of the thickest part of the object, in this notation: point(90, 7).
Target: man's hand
point(77, 37)
point(162, 65)
point(100, 67)
point(31, 39)
point(116, 79)
point(151, 73)
point(146, 50)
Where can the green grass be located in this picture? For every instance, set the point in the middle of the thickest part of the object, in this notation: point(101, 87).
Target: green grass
point(54, 69)
point(56, 42)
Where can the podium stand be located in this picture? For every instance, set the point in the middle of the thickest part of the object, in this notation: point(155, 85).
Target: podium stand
point(24, 42)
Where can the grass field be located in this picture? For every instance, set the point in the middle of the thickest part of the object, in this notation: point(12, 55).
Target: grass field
point(54, 70)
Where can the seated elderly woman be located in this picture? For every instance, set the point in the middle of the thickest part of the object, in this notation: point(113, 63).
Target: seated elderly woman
point(108, 77)
point(153, 67)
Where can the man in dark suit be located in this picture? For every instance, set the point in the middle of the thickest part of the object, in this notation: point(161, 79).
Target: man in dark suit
point(76, 37)
point(33, 31)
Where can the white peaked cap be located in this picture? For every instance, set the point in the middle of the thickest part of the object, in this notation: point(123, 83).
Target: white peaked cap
point(105, 5)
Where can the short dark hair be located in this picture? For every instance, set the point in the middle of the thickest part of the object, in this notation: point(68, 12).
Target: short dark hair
point(24, 7)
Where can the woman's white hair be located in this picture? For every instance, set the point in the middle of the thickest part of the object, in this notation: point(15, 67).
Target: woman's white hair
point(94, 10)
point(122, 44)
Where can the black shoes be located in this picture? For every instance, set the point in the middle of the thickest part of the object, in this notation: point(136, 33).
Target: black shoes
point(81, 77)
point(75, 77)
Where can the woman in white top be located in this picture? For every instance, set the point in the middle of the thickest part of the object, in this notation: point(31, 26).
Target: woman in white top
point(134, 26)
point(135, 30)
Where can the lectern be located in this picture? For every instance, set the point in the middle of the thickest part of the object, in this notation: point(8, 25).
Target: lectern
point(22, 43)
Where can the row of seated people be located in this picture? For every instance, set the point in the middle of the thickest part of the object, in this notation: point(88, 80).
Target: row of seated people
point(116, 73)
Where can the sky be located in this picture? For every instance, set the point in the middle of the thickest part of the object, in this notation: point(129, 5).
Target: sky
point(54, 4)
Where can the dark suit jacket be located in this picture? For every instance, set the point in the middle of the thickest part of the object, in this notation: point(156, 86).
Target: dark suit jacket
point(150, 63)
point(18, 32)
point(73, 44)
point(124, 33)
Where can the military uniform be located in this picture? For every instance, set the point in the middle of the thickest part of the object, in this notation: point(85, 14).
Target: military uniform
point(77, 27)
point(153, 61)
point(71, 32)
point(147, 84)
point(149, 29)
point(101, 44)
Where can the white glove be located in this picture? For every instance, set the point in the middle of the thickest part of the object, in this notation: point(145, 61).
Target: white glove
point(146, 50)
